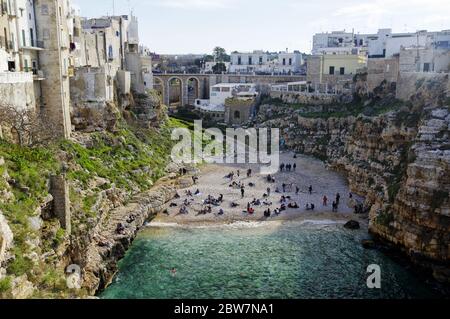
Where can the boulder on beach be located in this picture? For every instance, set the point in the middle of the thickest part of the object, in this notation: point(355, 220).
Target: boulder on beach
point(352, 225)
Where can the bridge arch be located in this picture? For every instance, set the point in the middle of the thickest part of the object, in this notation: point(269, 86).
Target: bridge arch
point(193, 90)
point(175, 92)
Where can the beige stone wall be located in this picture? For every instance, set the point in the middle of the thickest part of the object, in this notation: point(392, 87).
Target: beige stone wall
point(238, 112)
point(54, 61)
point(379, 70)
point(17, 89)
point(61, 203)
point(413, 60)
point(91, 84)
point(124, 82)
point(314, 70)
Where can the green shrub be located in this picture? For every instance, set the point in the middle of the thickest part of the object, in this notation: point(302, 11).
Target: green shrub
point(5, 285)
point(20, 265)
point(385, 219)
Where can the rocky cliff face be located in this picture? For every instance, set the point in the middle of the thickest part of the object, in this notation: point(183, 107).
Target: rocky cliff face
point(399, 161)
point(112, 238)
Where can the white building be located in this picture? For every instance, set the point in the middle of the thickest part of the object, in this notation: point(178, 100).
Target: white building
point(245, 62)
point(288, 62)
point(220, 92)
point(334, 39)
point(383, 44)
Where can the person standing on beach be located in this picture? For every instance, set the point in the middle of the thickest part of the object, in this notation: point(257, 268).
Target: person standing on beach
point(297, 190)
point(325, 201)
point(242, 191)
point(310, 190)
point(294, 167)
point(338, 199)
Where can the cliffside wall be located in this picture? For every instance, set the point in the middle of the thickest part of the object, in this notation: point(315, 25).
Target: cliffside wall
point(399, 161)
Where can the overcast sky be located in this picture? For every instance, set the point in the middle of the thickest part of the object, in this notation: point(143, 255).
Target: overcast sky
point(197, 26)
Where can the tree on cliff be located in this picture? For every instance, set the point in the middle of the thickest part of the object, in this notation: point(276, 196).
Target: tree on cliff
point(25, 126)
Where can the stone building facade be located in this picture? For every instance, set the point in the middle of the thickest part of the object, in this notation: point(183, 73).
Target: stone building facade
point(380, 70)
point(239, 112)
point(53, 31)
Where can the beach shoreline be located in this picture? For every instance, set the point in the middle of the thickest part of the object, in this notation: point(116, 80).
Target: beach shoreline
point(309, 172)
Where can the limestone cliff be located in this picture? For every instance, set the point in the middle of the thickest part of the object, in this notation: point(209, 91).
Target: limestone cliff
point(399, 160)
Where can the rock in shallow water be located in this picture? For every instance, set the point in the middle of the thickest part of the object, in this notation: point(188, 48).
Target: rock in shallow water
point(352, 225)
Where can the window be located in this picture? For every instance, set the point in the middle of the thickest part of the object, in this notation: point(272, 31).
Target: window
point(250, 60)
point(260, 60)
point(237, 115)
point(24, 42)
point(426, 67)
point(31, 37)
point(239, 60)
point(284, 61)
point(342, 71)
point(290, 61)
point(225, 89)
point(216, 89)
point(331, 70)
point(110, 52)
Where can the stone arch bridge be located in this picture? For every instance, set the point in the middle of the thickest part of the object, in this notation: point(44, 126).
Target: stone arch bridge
point(184, 89)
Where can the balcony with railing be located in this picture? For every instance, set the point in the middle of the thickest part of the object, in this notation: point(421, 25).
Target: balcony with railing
point(34, 45)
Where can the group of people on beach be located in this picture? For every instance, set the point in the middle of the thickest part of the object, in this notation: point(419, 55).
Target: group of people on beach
point(286, 201)
point(288, 167)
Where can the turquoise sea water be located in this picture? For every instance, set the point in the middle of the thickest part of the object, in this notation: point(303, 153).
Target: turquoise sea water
point(258, 260)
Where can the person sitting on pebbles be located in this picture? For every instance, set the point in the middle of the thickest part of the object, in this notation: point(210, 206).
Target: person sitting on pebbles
point(184, 210)
point(293, 205)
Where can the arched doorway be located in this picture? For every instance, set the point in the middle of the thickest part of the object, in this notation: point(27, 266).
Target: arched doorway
point(193, 87)
point(175, 92)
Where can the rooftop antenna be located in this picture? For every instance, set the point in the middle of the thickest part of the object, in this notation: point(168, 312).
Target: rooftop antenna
point(114, 7)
